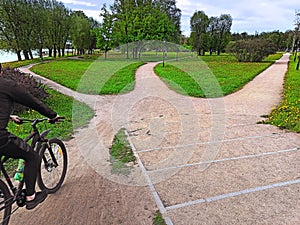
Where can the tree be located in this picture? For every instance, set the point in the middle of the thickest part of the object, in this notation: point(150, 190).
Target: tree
point(137, 20)
point(252, 50)
point(105, 38)
point(34, 24)
point(199, 24)
point(16, 19)
point(59, 30)
point(174, 14)
point(224, 24)
point(80, 31)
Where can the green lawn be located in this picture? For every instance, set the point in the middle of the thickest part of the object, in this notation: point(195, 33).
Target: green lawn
point(77, 114)
point(287, 114)
point(91, 76)
point(211, 76)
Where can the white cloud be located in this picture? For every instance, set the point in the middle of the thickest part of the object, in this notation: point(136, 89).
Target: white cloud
point(248, 15)
point(93, 13)
point(76, 2)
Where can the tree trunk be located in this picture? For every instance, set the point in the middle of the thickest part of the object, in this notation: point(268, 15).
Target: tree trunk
point(30, 54)
point(54, 51)
point(41, 52)
point(25, 53)
point(19, 55)
point(50, 52)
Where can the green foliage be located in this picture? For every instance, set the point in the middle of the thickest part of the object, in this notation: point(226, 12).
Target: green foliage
point(210, 34)
point(45, 24)
point(145, 20)
point(281, 40)
point(81, 34)
point(287, 114)
point(121, 149)
point(105, 38)
point(254, 50)
point(158, 219)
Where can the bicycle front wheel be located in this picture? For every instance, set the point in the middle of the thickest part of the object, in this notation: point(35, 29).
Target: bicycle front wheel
point(5, 203)
point(54, 162)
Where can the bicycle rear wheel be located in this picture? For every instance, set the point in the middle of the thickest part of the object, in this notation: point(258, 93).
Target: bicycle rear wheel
point(5, 204)
point(54, 162)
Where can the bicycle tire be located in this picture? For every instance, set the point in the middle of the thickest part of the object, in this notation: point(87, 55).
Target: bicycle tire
point(51, 176)
point(5, 205)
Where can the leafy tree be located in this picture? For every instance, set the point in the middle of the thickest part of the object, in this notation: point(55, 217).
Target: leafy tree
point(199, 25)
point(252, 50)
point(224, 24)
point(60, 25)
point(174, 14)
point(212, 30)
point(80, 31)
point(105, 38)
point(138, 20)
point(15, 29)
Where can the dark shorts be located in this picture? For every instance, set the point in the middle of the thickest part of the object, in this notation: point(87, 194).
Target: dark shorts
point(15, 147)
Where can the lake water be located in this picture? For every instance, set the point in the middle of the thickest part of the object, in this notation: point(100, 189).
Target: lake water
point(7, 57)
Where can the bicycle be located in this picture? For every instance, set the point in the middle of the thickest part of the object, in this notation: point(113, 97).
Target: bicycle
point(52, 169)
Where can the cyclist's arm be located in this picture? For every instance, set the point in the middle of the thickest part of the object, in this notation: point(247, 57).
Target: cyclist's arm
point(22, 96)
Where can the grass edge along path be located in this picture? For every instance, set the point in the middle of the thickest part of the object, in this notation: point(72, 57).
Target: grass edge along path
point(230, 74)
point(287, 114)
point(91, 77)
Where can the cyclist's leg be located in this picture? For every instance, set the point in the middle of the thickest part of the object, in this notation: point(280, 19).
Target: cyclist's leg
point(18, 149)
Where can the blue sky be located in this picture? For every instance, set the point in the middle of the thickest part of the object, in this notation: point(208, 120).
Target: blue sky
point(248, 15)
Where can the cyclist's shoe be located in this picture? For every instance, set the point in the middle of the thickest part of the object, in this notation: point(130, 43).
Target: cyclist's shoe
point(39, 198)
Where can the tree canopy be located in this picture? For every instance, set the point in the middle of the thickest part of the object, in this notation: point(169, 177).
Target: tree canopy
point(211, 34)
point(27, 25)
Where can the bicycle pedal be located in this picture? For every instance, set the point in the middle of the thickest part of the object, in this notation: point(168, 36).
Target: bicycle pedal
point(21, 198)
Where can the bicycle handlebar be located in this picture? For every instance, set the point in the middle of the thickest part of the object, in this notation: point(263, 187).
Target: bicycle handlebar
point(36, 121)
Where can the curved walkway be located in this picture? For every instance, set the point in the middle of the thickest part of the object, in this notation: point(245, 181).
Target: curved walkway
point(200, 161)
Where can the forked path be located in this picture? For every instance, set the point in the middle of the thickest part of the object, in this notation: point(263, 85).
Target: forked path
point(200, 161)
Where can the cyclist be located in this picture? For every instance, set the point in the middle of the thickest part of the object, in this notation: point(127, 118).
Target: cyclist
point(14, 147)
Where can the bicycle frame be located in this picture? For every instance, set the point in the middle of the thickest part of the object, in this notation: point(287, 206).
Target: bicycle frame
point(12, 193)
point(37, 139)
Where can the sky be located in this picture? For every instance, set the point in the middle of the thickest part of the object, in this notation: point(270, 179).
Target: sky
point(249, 16)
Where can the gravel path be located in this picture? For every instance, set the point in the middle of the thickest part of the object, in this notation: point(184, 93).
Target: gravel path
point(200, 161)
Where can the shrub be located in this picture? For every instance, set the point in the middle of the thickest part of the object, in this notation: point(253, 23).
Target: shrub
point(28, 82)
point(254, 50)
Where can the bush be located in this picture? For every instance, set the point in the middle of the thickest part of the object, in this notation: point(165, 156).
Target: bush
point(254, 50)
point(28, 82)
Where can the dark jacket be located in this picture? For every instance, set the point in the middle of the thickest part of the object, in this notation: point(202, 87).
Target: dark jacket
point(11, 92)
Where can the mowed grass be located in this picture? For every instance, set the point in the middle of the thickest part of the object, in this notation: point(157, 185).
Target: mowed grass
point(287, 114)
point(223, 72)
point(91, 76)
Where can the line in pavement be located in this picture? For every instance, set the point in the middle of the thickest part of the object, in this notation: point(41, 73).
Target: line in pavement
point(157, 199)
point(209, 142)
point(233, 194)
point(228, 159)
